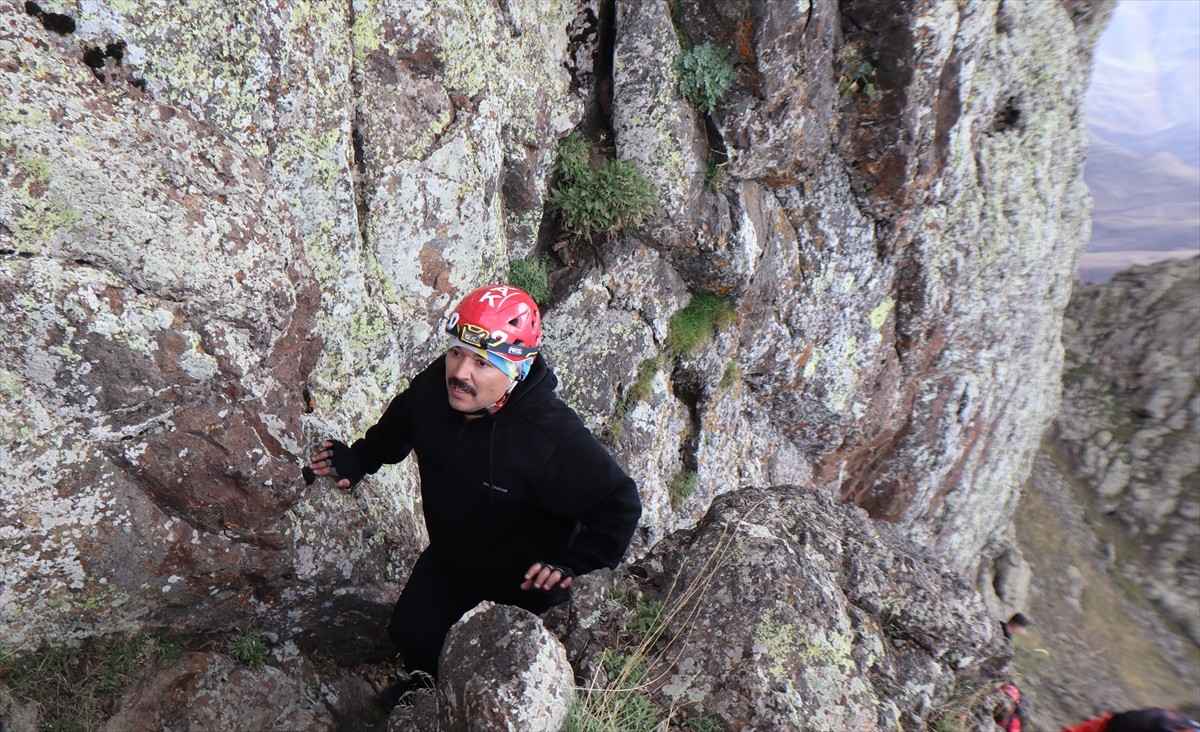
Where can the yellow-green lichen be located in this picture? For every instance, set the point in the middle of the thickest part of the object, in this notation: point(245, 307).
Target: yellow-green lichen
point(218, 47)
point(38, 171)
point(13, 426)
point(104, 598)
point(881, 311)
point(480, 49)
point(777, 642)
point(810, 367)
point(422, 143)
point(124, 7)
point(841, 375)
point(41, 216)
point(323, 151)
point(788, 647)
point(41, 220)
point(365, 29)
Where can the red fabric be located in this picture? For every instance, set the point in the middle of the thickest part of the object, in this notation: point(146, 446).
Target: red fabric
point(1099, 724)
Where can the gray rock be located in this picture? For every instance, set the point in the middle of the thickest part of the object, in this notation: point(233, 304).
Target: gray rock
point(17, 716)
point(783, 610)
point(1130, 421)
point(212, 691)
point(501, 669)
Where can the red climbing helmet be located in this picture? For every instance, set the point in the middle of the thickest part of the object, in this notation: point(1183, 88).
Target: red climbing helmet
point(502, 319)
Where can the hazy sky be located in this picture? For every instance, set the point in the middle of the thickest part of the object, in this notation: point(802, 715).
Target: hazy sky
point(1143, 111)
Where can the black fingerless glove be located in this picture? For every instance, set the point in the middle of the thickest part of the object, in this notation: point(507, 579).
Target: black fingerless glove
point(345, 463)
point(565, 570)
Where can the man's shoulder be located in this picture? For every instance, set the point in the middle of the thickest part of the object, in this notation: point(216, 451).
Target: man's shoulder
point(553, 419)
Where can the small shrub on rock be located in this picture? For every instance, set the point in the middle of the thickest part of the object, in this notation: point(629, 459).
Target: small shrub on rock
point(857, 73)
point(249, 647)
point(601, 200)
point(704, 75)
point(682, 485)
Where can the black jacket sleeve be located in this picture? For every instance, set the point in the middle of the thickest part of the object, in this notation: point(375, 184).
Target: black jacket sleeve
point(584, 483)
point(390, 439)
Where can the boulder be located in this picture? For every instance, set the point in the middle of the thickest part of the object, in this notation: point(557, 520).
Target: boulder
point(209, 691)
point(786, 610)
point(501, 669)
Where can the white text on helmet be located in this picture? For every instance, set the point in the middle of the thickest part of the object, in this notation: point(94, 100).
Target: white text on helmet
point(502, 293)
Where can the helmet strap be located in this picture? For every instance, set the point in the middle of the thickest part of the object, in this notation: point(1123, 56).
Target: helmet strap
point(503, 399)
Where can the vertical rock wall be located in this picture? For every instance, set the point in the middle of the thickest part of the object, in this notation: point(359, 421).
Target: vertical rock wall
point(227, 230)
point(1130, 423)
point(901, 260)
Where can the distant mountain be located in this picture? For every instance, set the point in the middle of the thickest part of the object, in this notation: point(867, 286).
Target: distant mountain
point(1146, 202)
point(1143, 110)
point(1145, 208)
point(1181, 141)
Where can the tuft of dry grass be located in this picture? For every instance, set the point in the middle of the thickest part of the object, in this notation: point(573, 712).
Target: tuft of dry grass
point(618, 696)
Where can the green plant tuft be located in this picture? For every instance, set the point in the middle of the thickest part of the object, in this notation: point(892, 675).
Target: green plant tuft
point(682, 485)
point(604, 200)
point(74, 687)
point(615, 699)
point(691, 327)
point(640, 388)
point(705, 723)
point(857, 73)
point(610, 710)
point(704, 75)
point(618, 705)
point(732, 375)
point(574, 161)
point(648, 617)
point(249, 647)
point(716, 177)
point(530, 274)
point(637, 391)
point(631, 668)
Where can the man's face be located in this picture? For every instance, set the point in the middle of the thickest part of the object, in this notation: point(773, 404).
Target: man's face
point(472, 382)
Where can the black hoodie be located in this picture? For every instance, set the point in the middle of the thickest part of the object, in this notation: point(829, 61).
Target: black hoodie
point(526, 484)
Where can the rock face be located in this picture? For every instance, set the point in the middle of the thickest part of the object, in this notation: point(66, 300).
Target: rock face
point(785, 611)
point(1130, 422)
point(503, 670)
point(229, 230)
point(212, 691)
point(156, 307)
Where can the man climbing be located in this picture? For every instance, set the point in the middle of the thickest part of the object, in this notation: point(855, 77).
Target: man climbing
point(518, 497)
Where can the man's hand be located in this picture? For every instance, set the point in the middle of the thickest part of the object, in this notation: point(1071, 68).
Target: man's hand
point(545, 576)
point(322, 465)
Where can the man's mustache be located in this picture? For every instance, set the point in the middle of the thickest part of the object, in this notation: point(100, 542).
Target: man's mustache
point(459, 383)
